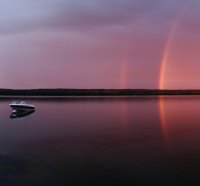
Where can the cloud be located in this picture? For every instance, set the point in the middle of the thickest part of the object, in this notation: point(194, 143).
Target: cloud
point(27, 15)
point(88, 39)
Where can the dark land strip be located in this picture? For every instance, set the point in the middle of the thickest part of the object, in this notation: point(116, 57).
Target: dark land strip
point(95, 92)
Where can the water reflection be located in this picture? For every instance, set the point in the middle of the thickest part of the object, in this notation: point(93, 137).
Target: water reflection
point(180, 121)
point(21, 113)
point(101, 141)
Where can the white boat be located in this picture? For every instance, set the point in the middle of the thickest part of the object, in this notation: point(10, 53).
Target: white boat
point(21, 105)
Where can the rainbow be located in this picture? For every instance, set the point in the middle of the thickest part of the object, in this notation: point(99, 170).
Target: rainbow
point(169, 43)
point(163, 67)
point(124, 74)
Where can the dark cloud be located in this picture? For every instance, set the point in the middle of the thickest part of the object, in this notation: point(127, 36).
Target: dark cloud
point(69, 15)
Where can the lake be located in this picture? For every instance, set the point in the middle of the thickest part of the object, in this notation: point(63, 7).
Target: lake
point(101, 141)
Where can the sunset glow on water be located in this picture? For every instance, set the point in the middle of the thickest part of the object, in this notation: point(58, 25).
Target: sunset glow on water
point(101, 141)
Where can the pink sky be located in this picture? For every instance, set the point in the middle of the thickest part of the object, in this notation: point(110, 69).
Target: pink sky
point(98, 44)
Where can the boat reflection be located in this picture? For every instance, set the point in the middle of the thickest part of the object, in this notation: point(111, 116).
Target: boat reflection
point(21, 113)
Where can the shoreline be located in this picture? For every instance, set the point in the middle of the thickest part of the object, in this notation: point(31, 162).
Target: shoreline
point(93, 92)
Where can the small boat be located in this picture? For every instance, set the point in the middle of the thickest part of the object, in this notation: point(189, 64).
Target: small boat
point(21, 106)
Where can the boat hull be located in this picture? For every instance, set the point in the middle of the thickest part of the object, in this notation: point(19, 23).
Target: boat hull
point(15, 107)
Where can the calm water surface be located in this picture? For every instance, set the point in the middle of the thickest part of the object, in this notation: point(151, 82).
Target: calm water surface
point(102, 141)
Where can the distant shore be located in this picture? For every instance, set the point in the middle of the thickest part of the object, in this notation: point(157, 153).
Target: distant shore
point(95, 92)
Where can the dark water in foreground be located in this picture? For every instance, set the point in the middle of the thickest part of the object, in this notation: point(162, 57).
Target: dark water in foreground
point(102, 141)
